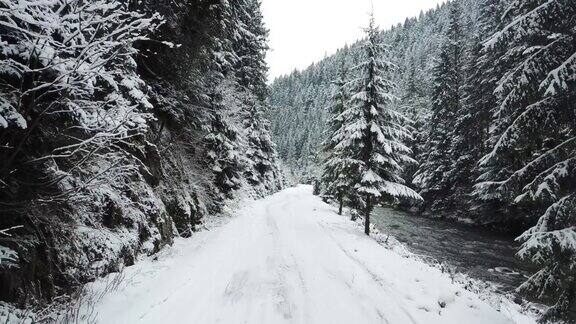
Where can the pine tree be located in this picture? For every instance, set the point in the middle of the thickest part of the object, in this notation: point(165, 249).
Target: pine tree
point(493, 62)
point(221, 143)
point(414, 102)
point(470, 130)
point(334, 178)
point(535, 148)
point(374, 144)
point(236, 82)
point(250, 38)
point(433, 177)
point(261, 152)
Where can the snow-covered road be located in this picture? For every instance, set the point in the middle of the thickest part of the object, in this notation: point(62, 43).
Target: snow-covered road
point(288, 258)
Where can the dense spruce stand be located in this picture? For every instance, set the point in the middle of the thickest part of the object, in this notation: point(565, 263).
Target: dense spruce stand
point(534, 145)
point(490, 87)
point(125, 125)
point(442, 155)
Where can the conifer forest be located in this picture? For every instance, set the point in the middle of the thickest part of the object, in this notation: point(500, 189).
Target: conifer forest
point(153, 170)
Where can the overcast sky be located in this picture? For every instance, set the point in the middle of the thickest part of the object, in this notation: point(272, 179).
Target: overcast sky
point(304, 31)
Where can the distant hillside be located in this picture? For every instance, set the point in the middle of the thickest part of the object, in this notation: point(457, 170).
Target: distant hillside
point(299, 100)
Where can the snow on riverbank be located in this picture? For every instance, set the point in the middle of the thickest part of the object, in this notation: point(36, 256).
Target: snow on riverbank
point(289, 258)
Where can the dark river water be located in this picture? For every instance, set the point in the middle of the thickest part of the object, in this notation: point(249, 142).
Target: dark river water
point(478, 253)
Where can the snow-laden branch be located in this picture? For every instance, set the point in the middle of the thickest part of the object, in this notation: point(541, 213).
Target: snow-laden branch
point(6, 231)
point(79, 58)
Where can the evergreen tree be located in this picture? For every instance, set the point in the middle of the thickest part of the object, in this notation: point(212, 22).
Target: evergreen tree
point(374, 145)
point(434, 177)
point(250, 38)
point(222, 145)
point(261, 152)
point(469, 133)
point(414, 102)
point(334, 178)
point(237, 85)
point(535, 151)
point(250, 42)
point(493, 63)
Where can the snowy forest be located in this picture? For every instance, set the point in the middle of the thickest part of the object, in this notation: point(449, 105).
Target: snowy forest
point(123, 124)
point(151, 172)
point(486, 89)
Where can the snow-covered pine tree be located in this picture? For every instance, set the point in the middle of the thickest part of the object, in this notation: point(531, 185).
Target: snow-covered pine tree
point(219, 50)
point(221, 142)
point(484, 71)
point(470, 131)
point(536, 148)
point(414, 104)
point(250, 40)
point(261, 152)
point(334, 179)
point(375, 132)
point(493, 63)
point(229, 47)
point(433, 177)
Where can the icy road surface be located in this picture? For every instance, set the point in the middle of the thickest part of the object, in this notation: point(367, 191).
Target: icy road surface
point(288, 258)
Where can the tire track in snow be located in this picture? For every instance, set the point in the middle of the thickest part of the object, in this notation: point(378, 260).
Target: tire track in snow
point(277, 264)
point(300, 276)
point(298, 200)
point(274, 213)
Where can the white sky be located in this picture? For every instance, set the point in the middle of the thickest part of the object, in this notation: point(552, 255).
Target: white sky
point(304, 31)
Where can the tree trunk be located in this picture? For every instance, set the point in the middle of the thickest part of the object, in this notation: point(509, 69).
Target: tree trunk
point(341, 203)
point(367, 216)
point(316, 190)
